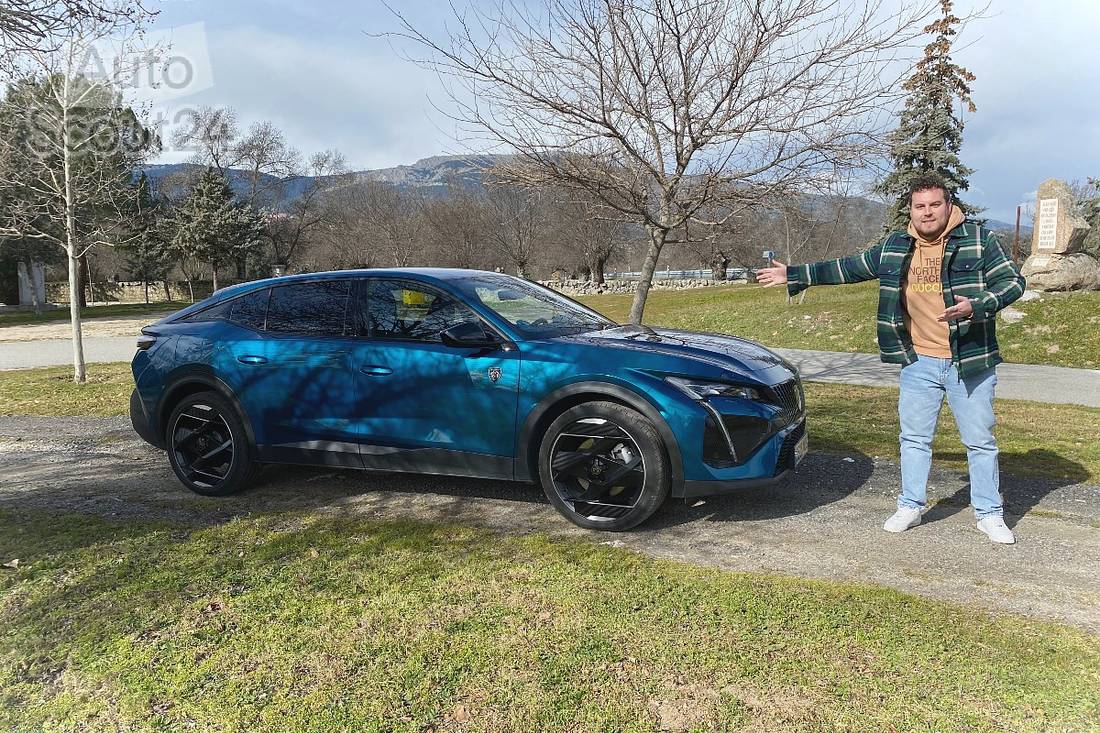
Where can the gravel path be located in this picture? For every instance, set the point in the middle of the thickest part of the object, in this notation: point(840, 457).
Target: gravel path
point(823, 523)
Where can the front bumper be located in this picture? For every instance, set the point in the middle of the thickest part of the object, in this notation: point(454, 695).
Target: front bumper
point(789, 448)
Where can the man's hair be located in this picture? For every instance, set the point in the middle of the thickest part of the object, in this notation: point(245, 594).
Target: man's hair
point(928, 182)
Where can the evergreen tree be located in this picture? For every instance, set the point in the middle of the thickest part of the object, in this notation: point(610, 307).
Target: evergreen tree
point(213, 228)
point(929, 134)
point(147, 252)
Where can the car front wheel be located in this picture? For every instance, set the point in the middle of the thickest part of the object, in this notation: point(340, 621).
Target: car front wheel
point(208, 447)
point(603, 466)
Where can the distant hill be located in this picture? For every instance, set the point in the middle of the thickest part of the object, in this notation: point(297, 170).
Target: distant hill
point(433, 175)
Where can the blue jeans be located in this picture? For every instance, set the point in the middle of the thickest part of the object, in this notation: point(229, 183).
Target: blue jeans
point(923, 386)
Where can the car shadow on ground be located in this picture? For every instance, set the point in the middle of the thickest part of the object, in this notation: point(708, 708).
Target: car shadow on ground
point(821, 479)
point(1021, 493)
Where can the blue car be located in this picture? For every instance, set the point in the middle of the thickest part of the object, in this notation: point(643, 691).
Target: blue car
point(462, 373)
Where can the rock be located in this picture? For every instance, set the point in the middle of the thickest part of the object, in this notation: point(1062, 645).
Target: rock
point(1078, 271)
point(1030, 295)
point(1011, 315)
point(1059, 227)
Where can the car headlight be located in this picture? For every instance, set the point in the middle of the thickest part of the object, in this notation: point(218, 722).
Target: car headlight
point(699, 389)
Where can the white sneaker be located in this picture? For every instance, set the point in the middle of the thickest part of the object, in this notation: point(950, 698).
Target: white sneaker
point(997, 530)
point(904, 518)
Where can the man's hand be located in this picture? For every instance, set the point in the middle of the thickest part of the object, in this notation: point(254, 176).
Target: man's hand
point(961, 309)
point(774, 275)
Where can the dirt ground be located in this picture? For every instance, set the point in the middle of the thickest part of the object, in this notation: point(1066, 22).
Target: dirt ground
point(121, 326)
point(825, 522)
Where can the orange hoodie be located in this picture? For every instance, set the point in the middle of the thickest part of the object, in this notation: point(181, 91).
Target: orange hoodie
point(922, 292)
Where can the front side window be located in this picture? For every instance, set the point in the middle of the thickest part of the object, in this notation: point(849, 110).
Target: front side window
point(534, 310)
point(309, 308)
point(407, 310)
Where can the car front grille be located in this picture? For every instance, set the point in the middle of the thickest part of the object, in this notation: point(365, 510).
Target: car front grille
point(791, 400)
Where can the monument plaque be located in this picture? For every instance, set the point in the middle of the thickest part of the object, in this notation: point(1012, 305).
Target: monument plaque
point(1048, 225)
point(1057, 261)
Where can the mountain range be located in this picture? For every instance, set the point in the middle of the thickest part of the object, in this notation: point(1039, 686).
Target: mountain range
point(432, 176)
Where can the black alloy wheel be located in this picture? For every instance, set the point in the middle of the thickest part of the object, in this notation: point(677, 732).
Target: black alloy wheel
point(603, 466)
point(208, 447)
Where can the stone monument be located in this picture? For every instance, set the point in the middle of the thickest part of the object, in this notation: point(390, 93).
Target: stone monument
point(32, 284)
point(1058, 260)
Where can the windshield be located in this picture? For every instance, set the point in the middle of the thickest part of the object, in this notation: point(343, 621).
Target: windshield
point(534, 310)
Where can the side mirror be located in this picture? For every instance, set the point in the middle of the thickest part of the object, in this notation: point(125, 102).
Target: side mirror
point(468, 334)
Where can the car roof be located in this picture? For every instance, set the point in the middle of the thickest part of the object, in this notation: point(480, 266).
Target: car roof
point(416, 273)
point(438, 273)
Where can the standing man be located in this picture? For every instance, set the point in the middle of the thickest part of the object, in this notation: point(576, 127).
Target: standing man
point(941, 283)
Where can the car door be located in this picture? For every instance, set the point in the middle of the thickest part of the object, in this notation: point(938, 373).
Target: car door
point(298, 383)
point(428, 406)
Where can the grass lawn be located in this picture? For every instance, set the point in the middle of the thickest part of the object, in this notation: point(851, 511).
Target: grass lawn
point(51, 391)
point(96, 311)
point(303, 622)
point(1060, 330)
point(1035, 439)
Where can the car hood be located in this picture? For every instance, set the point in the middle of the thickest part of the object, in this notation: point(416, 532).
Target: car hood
point(715, 350)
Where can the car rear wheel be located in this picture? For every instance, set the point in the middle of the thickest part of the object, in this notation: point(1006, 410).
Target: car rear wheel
point(208, 447)
point(603, 466)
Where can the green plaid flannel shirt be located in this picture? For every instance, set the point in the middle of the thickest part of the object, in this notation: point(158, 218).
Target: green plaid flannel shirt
point(975, 265)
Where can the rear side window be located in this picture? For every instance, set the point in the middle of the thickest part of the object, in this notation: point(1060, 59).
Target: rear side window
point(313, 308)
point(248, 310)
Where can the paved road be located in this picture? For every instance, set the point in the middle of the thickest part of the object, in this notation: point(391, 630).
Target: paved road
point(1014, 381)
point(824, 522)
point(57, 352)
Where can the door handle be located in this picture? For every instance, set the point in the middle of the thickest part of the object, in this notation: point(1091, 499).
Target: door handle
point(251, 359)
point(376, 371)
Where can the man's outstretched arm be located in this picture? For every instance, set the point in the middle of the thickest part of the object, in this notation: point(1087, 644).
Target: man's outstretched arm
point(853, 269)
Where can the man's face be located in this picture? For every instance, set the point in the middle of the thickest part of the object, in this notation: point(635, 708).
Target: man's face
point(929, 212)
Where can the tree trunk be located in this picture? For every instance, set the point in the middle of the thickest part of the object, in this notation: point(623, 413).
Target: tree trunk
point(597, 270)
point(84, 279)
point(167, 292)
point(214, 267)
point(191, 288)
point(146, 283)
point(656, 243)
point(719, 267)
point(75, 291)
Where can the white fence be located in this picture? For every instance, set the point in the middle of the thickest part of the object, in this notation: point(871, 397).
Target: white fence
point(732, 273)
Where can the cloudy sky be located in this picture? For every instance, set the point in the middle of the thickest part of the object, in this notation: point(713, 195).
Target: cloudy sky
point(314, 70)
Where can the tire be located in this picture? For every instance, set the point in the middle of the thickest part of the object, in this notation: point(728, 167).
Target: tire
point(604, 466)
point(208, 447)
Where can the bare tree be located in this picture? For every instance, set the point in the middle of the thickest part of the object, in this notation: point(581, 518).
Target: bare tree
point(584, 233)
point(517, 216)
point(679, 106)
point(66, 157)
point(211, 136)
point(458, 226)
point(394, 217)
point(289, 229)
point(29, 27)
point(267, 162)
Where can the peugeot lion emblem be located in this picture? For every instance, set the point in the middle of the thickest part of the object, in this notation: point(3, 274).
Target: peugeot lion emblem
point(494, 374)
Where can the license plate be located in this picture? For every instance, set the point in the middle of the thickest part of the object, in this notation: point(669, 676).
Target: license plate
point(800, 448)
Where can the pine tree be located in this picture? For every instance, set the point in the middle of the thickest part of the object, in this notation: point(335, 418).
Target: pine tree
point(213, 228)
point(929, 134)
point(147, 252)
